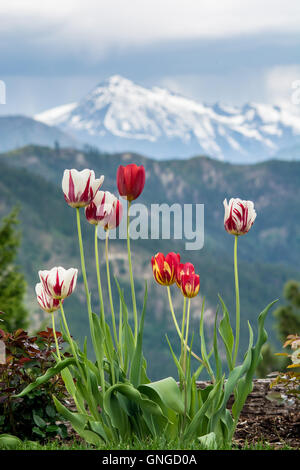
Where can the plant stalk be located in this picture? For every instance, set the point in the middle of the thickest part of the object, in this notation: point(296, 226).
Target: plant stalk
point(131, 277)
point(55, 337)
point(109, 291)
point(237, 303)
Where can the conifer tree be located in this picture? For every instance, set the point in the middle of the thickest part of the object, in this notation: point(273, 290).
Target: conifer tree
point(12, 282)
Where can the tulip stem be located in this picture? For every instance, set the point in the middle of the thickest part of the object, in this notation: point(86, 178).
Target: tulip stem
point(183, 328)
point(55, 337)
point(109, 290)
point(177, 327)
point(237, 302)
point(131, 276)
point(99, 278)
point(68, 333)
point(88, 297)
point(187, 333)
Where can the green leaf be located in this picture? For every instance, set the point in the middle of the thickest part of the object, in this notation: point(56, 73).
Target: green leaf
point(168, 392)
point(39, 421)
point(50, 410)
point(209, 441)
point(77, 420)
point(10, 442)
point(226, 334)
point(137, 360)
point(245, 384)
point(47, 376)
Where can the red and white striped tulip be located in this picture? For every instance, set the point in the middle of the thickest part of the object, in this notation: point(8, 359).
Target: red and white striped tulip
point(59, 283)
point(105, 210)
point(190, 284)
point(186, 268)
point(131, 181)
point(165, 268)
point(80, 187)
point(239, 216)
point(47, 303)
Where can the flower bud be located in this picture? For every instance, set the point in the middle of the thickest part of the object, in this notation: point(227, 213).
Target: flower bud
point(105, 210)
point(130, 181)
point(47, 303)
point(80, 187)
point(190, 284)
point(239, 216)
point(59, 283)
point(165, 268)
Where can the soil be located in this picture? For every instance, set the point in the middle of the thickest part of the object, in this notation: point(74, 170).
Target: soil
point(267, 419)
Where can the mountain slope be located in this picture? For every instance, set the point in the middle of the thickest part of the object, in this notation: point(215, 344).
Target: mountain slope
point(267, 255)
point(18, 131)
point(119, 115)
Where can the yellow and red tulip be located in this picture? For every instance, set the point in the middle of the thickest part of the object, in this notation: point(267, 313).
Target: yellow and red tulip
point(190, 284)
point(239, 216)
point(165, 268)
point(186, 268)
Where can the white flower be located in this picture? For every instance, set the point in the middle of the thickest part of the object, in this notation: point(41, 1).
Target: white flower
point(47, 303)
point(80, 187)
point(239, 216)
point(59, 283)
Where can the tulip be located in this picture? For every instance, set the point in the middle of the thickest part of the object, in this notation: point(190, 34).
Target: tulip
point(105, 210)
point(187, 268)
point(80, 187)
point(130, 181)
point(165, 268)
point(190, 284)
point(239, 216)
point(47, 303)
point(59, 283)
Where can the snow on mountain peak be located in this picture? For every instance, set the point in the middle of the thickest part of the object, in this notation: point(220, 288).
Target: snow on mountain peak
point(120, 115)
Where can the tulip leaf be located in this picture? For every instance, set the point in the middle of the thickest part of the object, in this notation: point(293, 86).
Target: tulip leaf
point(226, 333)
point(137, 360)
point(168, 392)
point(245, 384)
point(47, 376)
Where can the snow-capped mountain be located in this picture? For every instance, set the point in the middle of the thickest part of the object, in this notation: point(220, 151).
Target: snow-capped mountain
point(119, 115)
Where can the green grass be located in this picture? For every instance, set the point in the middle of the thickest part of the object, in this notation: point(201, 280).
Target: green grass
point(158, 444)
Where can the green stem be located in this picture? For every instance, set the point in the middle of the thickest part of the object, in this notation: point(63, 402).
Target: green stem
point(182, 329)
point(88, 297)
point(237, 302)
point(109, 291)
point(99, 277)
point(177, 327)
point(55, 337)
point(187, 334)
point(68, 334)
point(131, 276)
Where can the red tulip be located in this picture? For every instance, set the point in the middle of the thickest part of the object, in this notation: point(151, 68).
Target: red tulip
point(187, 268)
point(130, 181)
point(190, 284)
point(165, 268)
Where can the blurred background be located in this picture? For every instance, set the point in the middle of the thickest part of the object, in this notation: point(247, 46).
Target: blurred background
point(206, 95)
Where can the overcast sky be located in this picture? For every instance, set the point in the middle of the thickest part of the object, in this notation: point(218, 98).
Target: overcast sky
point(53, 52)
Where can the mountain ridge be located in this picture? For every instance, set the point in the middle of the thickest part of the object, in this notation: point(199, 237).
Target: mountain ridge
point(119, 115)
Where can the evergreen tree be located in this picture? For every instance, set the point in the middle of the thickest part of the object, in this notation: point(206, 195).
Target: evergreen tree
point(12, 283)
